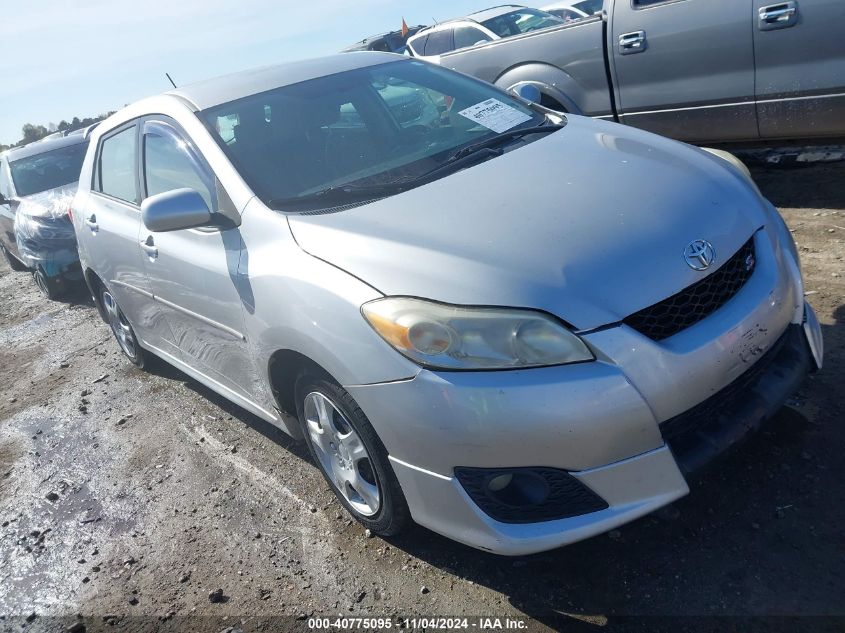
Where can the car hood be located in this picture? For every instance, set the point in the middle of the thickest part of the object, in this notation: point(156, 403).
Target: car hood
point(589, 223)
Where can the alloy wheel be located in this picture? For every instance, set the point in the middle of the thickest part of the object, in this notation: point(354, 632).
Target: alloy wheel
point(41, 282)
point(342, 454)
point(120, 326)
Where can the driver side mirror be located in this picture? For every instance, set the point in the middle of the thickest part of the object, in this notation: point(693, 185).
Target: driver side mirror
point(175, 210)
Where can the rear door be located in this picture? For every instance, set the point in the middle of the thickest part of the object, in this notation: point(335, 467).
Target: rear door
point(685, 68)
point(800, 54)
point(194, 272)
point(111, 222)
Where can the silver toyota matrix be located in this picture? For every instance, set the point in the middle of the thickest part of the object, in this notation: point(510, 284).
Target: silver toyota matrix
point(514, 327)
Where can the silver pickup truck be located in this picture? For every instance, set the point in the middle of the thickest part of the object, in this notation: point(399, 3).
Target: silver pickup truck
point(695, 70)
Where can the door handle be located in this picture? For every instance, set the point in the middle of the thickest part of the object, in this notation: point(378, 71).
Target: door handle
point(91, 223)
point(630, 43)
point(149, 247)
point(778, 16)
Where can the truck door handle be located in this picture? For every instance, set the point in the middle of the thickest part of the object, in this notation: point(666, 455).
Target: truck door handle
point(630, 43)
point(149, 247)
point(91, 223)
point(778, 16)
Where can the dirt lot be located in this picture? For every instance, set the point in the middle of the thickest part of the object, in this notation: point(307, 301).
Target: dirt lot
point(127, 497)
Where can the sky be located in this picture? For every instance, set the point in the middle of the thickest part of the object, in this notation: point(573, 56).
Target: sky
point(66, 58)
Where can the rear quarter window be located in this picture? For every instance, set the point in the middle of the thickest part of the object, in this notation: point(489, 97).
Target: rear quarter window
point(439, 42)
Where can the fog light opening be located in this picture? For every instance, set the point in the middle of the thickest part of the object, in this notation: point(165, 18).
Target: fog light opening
point(518, 489)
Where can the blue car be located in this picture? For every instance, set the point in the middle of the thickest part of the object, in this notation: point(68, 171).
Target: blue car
point(37, 185)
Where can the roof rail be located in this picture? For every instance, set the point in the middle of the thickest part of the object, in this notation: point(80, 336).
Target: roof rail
point(87, 132)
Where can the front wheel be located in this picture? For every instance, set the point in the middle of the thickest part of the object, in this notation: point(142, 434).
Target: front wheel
point(350, 455)
point(50, 287)
point(122, 330)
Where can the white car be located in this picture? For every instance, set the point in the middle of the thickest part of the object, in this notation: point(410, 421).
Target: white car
point(478, 28)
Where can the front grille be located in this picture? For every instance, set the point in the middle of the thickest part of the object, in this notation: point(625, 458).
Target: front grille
point(691, 305)
point(562, 495)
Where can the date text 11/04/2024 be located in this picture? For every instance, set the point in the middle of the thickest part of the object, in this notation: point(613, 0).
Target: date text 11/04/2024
point(415, 623)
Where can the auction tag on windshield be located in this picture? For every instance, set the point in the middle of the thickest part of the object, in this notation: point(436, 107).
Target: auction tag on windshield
point(495, 115)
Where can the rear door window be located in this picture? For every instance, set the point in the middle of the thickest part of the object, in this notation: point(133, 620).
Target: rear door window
point(117, 169)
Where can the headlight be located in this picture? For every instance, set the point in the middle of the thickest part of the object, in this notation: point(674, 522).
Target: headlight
point(453, 337)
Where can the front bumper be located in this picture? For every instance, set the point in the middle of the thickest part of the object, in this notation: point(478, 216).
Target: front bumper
point(602, 422)
point(631, 487)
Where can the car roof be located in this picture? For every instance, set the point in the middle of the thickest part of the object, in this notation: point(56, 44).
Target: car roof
point(560, 5)
point(494, 12)
point(213, 92)
point(478, 17)
point(363, 44)
point(45, 145)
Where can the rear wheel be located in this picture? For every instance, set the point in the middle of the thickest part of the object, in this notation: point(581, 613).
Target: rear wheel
point(50, 287)
point(14, 263)
point(122, 330)
point(350, 455)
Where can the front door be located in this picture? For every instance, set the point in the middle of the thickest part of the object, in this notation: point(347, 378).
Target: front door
point(685, 68)
point(193, 272)
point(799, 47)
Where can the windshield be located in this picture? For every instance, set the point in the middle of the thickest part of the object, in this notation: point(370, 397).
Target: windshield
point(50, 170)
point(372, 126)
point(521, 21)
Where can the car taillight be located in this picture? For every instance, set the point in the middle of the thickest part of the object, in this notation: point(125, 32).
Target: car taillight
point(70, 213)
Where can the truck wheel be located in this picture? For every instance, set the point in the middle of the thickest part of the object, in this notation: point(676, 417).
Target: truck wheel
point(551, 103)
point(50, 287)
point(123, 332)
point(14, 263)
point(350, 455)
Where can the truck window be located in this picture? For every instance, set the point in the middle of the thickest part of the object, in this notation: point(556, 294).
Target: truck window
point(469, 36)
point(645, 3)
point(521, 21)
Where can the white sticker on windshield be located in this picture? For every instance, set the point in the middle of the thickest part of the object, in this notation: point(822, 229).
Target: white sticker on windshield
point(495, 115)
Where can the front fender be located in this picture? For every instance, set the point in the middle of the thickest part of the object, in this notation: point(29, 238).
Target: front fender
point(302, 304)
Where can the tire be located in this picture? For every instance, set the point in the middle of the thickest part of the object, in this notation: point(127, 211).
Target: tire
point(14, 263)
point(359, 473)
point(123, 332)
point(50, 287)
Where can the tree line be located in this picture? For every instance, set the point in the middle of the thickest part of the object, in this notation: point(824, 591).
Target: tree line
point(32, 132)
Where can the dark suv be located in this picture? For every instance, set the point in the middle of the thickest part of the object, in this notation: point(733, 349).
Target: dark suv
point(37, 185)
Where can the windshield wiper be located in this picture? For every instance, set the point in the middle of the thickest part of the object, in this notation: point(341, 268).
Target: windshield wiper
point(348, 193)
point(506, 136)
point(469, 154)
point(339, 193)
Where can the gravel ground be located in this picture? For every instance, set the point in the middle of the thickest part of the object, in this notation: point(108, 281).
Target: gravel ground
point(127, 499)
